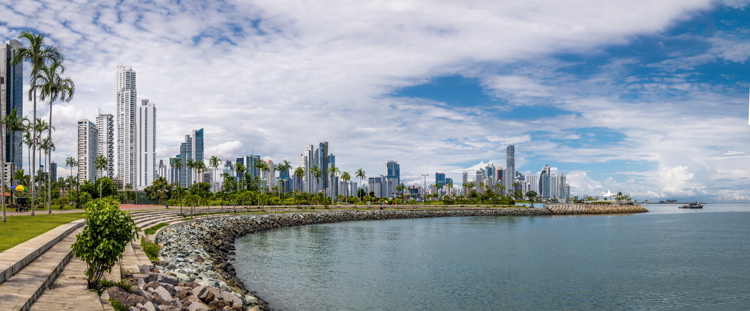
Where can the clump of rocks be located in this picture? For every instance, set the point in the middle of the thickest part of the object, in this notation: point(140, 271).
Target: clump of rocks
point(157, 291)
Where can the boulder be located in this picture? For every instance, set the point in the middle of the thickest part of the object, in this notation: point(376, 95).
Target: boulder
point(163, 294)
point(163, 278)
point(233, 301)
point(197, 306)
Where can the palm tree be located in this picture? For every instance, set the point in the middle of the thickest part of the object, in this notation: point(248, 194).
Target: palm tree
point(240, 169)
point(54, 87)
point(263, 167)
point(48, 146)
point(190, 166)
point(333, 171)
point(39, 55)
point(346, 177)
point(101, 163)
point(200, 167)
point(214, 162)
point(177, 165)
point(315, 172)
point(299, 172)
point(71, 162)
point(361, 175)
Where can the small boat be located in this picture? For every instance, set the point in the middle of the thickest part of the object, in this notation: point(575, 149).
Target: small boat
point(693, 205)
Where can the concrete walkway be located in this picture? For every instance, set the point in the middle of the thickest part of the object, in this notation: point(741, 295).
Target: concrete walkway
point(31, 269)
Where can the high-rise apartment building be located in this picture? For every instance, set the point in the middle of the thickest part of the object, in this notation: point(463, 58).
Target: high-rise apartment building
point(146, 123)
point(11, 97)
point(53, 170)
point(126, 125)
point(191, 149)
point(105, 126)
point(87, 147)
point(544, 183)
point(393, 170)
point(510, 168)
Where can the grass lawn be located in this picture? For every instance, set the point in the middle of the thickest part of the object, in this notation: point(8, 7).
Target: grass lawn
point(20, 229)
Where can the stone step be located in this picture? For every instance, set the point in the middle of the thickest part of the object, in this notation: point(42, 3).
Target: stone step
point(69, 292)
point(15, 259)
point(22, 289)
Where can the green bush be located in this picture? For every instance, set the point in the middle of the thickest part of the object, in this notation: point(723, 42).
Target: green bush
point(117, 306)
point(153, 229)
point(151, 249)
point(106, 233)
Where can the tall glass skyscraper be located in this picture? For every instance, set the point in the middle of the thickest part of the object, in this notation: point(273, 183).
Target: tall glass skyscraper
point(393, 171)
point(11, 97)
point(126, 125)
point(192, 148)
point(439, 179)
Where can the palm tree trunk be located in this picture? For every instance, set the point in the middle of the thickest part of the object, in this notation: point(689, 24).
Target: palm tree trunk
point(49, 161)
point(33, 155)
point(2, 169)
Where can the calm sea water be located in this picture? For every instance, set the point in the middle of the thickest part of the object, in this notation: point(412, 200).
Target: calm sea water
point(666, 259)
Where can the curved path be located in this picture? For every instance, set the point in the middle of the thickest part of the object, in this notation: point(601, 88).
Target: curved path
point(41, 274)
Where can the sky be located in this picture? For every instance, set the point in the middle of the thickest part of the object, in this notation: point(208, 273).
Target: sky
point(649, 98)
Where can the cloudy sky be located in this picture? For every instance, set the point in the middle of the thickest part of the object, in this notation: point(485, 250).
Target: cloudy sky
point(644, 97)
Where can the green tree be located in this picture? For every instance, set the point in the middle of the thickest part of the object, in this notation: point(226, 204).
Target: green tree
point(159, 190)
point(263, 167)
point(53, 87)
point(100, 163)
point(346, 177)
point(106, 232)
point(214, 163)
point(361, 175)
point(299, 172)
point(39, 55)
point(333, 171)
point(190, 165)
point(241, 170)
point(315, 172)
point(177, 165)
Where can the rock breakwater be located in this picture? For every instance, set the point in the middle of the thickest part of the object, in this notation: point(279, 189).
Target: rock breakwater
point(577, 209)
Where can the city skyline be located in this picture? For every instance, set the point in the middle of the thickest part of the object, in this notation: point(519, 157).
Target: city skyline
point(653, 103)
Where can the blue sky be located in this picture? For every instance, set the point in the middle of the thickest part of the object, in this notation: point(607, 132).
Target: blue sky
point(644, 97)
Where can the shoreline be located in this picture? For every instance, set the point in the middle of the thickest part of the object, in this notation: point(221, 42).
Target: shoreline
point(202, 250)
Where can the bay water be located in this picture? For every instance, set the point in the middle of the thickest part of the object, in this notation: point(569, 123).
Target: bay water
point(668, 259)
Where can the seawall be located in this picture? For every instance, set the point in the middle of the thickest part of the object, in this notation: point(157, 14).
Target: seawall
point(202, 251)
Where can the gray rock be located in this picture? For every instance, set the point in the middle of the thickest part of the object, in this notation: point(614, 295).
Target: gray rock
point(231, 299)
point(197, 306)
point(139, 290)
point(163, 294)
point(149, 306)
point(163, 278)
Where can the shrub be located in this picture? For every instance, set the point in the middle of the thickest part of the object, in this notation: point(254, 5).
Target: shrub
point(151, 249)
point(106, 233)
point(117, 306)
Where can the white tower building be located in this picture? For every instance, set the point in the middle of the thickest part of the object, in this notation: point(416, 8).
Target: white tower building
point(87, 147)
point(126, 125)
point(105, 126)
point(146, 143)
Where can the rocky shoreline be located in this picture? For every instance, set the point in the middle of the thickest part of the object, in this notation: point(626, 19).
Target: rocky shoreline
point(201, 251)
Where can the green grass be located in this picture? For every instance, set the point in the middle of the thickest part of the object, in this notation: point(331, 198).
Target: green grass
point(20, 229)
point(151, 249)
point(121, 284)
point(153, 229)
point(117, 306)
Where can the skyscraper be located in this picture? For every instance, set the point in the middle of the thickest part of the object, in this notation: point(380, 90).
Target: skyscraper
point(11, 97)
point(146, 143)
point(439, 179)
point(105, 126)
point(544, 180)
point(393, 170)
point(53, 170)
point(87, 147)
point(126, 125)
point(191, 149)
point(323, 164)
point(510, 168)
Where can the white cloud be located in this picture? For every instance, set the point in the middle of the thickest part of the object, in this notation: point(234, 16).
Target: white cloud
point(322, 71)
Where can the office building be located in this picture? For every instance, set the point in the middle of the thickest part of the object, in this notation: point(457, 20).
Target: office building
point(191, 149)
point(146, 123)
point(125, 118)
point(11, 97)
point(544, 183)
point(53, 170)
point(105, 126)
point(439, 179)
point(393, 170)
point(162, 170)
point(510, 168)
point(87, 148)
